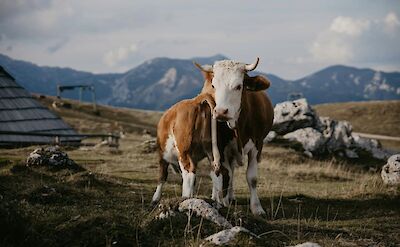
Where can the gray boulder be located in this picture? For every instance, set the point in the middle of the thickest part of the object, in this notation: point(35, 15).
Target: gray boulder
point(311, 140)
point(391, 171)
point(292, 115)
point(51, 157)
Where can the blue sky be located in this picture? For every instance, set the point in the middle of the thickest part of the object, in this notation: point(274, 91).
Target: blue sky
point(292, 38)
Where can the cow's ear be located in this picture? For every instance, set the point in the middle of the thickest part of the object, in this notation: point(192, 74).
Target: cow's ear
point(256, 83)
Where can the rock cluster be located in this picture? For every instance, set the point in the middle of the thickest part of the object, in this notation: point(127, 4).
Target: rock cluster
point(295, 121)
point(391, 171)
point(148, 146)
point(200, 208)
point(52, 157)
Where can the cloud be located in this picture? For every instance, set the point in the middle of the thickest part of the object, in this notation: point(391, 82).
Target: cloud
point(392, 21)
point(351, 40)
point(113, 57)
point(349, 26)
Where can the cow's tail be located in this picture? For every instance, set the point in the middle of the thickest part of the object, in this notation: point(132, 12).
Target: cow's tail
point(207, 98)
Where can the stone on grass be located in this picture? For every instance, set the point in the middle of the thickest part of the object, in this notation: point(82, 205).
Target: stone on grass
point(51, 157)
point(308, 244)
point(205, 210)
point(225, 236)
point(370, 146)
point(270, 137)
point(391, 171)
point(148, 146)
point(311, 140)
point(292, 115)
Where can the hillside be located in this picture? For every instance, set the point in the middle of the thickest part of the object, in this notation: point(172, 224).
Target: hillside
point(158, 83)
point(331, 202)
point(375, 117)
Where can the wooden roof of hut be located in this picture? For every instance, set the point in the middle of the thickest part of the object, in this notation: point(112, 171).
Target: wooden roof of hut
point(20, 112)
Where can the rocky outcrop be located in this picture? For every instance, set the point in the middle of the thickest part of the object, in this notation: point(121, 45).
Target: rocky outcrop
point(51, 157)
point(148, 146)
point(308, 244)
point(205, 210)
point(391, 171)
point(296, 122)
point(225, 236)
point(292, 115)
point(195, 207)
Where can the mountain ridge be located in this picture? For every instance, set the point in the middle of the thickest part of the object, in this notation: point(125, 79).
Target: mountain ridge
point(158, 83)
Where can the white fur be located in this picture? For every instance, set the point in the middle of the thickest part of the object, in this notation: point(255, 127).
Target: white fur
point(227, 76)
point(217, 187)
point(252, 167)
point(157, 194)
point(188, 182)
point(171, 153)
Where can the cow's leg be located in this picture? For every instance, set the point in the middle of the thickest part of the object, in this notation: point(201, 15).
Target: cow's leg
point(188, 176)
point(231, 194)
point(227, 174)
point(251, 175)
point(217, 186)
point(163, 174)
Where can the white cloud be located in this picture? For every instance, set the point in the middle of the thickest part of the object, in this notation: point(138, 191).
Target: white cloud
point(351, 40)
point(392, 21)
point(331, 49)
point(349, 26)
point(113, 57)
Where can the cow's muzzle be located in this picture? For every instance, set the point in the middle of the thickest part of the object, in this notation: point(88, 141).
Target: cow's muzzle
point(221, 114)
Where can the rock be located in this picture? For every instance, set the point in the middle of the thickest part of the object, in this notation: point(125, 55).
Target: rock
point(225, 236)
point(370, 146)
point(292, 115)
point(148, 146)
point(297, 122)
point(52, 157)
point(308, 244)
point(270, 137)
point(337, 134)
point(391, 171)
point(311, 140)
point(205, 210)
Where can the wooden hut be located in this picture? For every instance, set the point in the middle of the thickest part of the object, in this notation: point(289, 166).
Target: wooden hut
point(24, 121)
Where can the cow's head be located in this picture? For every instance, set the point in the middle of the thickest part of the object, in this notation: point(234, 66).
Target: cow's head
point(230, 80)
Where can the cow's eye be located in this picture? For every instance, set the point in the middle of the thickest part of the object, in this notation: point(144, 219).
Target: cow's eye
point(238, 87)
point(212, 85)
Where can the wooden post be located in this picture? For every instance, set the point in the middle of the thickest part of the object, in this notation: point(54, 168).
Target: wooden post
point(94, 98)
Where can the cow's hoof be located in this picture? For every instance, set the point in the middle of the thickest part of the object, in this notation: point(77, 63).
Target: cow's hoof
point(154, 203)
point(258, 211)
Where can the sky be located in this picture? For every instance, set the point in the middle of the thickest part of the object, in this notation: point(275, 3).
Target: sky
point(292, 38)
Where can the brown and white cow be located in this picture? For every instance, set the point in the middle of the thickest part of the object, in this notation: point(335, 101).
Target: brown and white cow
point(243, 104)
point(186, 133)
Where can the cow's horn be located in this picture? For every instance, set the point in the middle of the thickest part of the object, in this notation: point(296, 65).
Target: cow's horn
point(201, 68)
point(250, 67)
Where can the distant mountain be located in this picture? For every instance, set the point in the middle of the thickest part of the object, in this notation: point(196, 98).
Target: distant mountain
point(160, 82)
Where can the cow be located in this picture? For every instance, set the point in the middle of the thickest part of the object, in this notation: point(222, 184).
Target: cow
point(242, 103)
point(184, 138)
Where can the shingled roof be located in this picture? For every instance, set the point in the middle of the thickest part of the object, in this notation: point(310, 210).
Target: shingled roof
point(20, 112)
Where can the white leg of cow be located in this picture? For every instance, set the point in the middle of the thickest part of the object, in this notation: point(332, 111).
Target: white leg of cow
point(226, 198)
point(188, 182)
point(217, 187)
point(252, 167)
point(231, 194)
point(157, 195)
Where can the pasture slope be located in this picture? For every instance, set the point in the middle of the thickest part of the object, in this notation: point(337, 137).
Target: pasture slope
point(330, 201)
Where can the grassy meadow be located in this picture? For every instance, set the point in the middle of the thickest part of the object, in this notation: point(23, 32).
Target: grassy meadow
point(329, 201)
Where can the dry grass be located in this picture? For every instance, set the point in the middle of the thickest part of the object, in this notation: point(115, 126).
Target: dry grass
point(332, 202)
